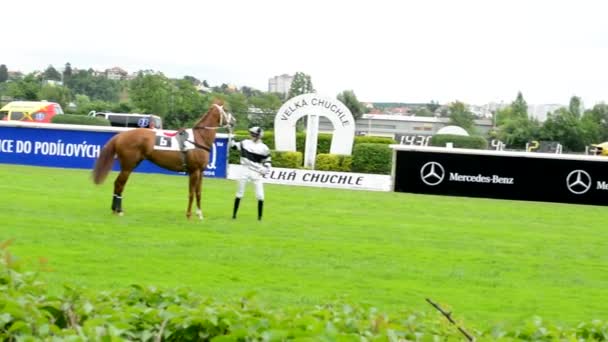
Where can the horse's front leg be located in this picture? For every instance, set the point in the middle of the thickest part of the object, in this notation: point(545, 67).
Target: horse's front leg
point(199, 184)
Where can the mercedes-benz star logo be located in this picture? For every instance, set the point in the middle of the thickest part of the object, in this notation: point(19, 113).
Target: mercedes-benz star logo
point(432, 173)
point(578, 182)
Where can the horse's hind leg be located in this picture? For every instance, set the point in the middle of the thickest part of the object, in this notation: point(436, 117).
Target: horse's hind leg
point(119, 186)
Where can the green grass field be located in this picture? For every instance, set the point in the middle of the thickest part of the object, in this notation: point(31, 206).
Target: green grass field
point(490, 261)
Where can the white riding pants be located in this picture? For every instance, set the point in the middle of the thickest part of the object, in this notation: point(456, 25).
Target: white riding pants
point(257, 180)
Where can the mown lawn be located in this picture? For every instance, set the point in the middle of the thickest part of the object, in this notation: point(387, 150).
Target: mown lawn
point(490, 261)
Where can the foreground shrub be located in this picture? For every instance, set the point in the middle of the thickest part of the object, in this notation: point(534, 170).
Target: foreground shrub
point(29, 313)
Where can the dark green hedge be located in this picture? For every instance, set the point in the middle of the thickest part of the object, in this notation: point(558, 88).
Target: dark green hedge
point(287, 159)
point(325, 161)
point(79, 120)
point(372, 158)
point(374, 140)
point(459, 141)
point(333, 162)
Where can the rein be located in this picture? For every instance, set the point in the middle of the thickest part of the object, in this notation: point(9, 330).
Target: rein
point(221, 125)
point(197, 145)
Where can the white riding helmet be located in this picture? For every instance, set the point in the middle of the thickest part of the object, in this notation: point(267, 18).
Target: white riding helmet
point(256, 132)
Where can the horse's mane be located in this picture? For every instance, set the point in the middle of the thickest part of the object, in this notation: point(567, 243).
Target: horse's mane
point(211, 109)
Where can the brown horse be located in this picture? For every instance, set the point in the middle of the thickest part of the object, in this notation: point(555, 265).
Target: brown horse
point(133, 146)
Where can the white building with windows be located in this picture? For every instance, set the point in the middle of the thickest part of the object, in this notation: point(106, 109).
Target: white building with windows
point(280, 84)
point(395, 125)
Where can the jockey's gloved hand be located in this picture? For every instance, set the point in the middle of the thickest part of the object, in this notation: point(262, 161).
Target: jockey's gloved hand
point(265, 169)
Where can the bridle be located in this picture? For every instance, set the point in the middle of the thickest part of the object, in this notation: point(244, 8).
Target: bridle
point(227, 117)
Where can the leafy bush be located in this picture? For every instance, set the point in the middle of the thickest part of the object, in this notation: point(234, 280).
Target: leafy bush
point(267, 138)
point(287, 159)
point(459, 141)
point(333, 162)
point(374, 140)
point(29, 313)
point(372, 158)
point(79, 120)
point(284, 159)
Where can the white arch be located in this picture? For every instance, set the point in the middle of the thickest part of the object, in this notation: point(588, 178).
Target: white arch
point(314, 104)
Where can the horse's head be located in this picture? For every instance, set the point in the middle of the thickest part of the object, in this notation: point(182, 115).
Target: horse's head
point(226, 118)
point(216, 117)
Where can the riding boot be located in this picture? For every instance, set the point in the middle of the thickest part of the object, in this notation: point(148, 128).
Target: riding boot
point(260, 209)
point(237, 201)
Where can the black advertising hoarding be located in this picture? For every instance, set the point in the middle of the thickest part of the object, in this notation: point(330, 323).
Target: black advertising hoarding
point(500, 174)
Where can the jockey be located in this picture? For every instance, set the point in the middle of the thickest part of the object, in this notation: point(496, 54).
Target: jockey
point(255, 157)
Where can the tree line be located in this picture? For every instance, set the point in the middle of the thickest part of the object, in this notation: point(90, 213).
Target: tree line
point(572, 126)
point(179, 102)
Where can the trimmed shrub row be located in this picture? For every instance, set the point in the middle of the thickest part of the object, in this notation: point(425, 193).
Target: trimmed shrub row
point(333, 162)
point(370, 154)
point(459, 141)
point(71, 119)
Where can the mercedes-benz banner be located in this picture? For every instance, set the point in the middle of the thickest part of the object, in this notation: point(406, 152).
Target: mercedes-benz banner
point(504, 175)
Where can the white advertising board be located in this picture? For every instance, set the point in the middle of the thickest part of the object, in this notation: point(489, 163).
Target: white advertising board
point(321, 179)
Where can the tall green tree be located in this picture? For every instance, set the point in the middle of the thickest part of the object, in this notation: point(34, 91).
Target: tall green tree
point(519, 107)
point(263, 108)
point(67, 72)
point(186, 104)
point(195, 81)
point(423, 111)
point(460, 116)
point(249, 92)
point(26, 88)
point(151, 93)
point(516, 132)
point(351, 102)
point(566, 128)
point(237, 104)
point(51, 74)
point(433, 106)
point(55, 93)
point(573, 131)
point(598, 115)
point(85, 82)
point(3, 73)
point(301, 84)
point(575, 106)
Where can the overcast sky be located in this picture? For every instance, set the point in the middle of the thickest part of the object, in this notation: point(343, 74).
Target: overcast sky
point(475, 51)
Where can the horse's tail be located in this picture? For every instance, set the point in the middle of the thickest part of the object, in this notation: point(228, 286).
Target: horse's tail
point(104, 162)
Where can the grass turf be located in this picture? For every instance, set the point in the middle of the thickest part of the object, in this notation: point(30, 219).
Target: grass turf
point(490, 261)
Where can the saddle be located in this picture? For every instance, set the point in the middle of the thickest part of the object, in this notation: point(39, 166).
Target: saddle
point(174, 141)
